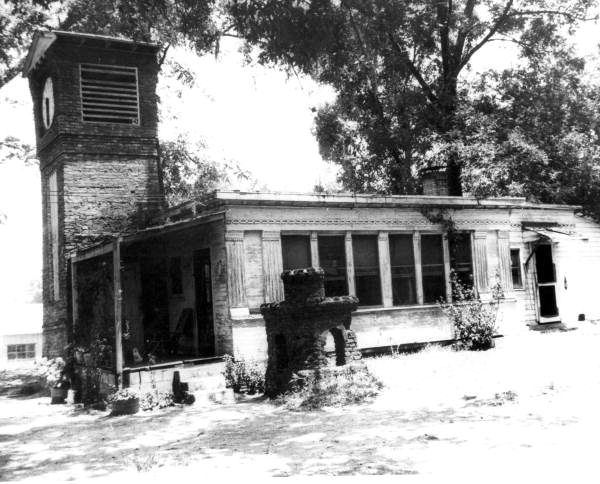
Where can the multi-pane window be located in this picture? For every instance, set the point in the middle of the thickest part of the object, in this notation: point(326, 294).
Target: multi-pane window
point(109, 94)
point(460, 258)
point(175, 275)
point(332, 258)
point(432, 266)
point(20, 351)
point(402, 262)
point(295, 251)
point(366, 269)
point(515, 268)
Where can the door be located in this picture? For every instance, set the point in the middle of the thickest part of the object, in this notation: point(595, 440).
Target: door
point(204, 302)
point(546, 284)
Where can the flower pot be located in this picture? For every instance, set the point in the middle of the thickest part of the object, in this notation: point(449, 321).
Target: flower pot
point(58, 395)
point(125, 407)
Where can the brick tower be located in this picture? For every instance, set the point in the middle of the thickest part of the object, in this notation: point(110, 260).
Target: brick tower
point(95, 117)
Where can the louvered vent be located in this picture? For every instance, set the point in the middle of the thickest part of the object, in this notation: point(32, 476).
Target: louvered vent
point(109, 94)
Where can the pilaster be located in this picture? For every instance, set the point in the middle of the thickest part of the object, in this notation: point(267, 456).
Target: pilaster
point(385, 270)
point(273, 266)
point(350, 264)
point(504, 260)
point(314, 249)
point(234, 243)
point(480, 263)
point(418, 266)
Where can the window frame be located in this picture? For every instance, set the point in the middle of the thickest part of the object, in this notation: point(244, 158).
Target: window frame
point(521, 287)
point(445, 264)
point(28, 351)
point(411, 236)
point(296, 234)
point(374, 236)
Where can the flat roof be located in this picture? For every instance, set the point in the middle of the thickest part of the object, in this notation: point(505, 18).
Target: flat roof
point(374, 200)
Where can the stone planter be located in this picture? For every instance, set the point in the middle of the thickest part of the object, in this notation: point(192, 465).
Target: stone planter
point(125, 407)
point(58, 395)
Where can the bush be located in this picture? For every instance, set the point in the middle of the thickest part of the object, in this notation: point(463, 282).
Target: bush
point(242, 375)
point(474, 321)
point(351, 384)
point(52, 372)
point(123, 395)
point(156, 399)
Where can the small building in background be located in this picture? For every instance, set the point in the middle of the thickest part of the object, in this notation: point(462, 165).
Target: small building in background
point(20, 335)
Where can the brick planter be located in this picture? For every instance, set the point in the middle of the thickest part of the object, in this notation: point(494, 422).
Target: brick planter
point(297, 329)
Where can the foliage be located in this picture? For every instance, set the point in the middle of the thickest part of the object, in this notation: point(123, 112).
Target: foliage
point(189, 172)
point(123, 395)
point(156, 399)
point(397, 67)
point(168, 22)
point(244, 375)
point(52, 371)
point(474, 321)
point(349, 384)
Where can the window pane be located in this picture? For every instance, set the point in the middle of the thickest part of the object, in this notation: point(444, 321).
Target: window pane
point(295, 251)
point(403, 269)
point(515, 268)
point(432, 262)
point(332, 258)
point(460, 258)
point(366, 269)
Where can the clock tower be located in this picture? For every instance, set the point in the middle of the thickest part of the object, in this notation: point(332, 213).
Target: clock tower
point(95, 118)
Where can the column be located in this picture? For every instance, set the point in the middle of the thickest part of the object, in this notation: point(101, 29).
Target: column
point(314, 249)
point(350, 265)
point(118, 306)
point(234, 244)
point(272, 266)
point(447, 268)
point(418, 267)
point(74, 293)
point(385, 269)
point(480, 263)
point(504, 260)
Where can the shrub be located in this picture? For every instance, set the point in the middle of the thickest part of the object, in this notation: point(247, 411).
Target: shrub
point(123, 395)
point(351, 384)
point(473, 320)
point(245, 375)
point(52, 372)
point(156, 399)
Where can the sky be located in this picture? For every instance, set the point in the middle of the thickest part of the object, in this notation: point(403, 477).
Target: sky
point(254, 115)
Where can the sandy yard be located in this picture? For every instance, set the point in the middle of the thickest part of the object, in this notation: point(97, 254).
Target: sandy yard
point(529, 407)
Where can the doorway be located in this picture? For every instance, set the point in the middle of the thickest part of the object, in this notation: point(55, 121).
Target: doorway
point(546, 284)
point(204, 302)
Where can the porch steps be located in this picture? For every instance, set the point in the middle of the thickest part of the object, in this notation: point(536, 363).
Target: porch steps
point(204, 380)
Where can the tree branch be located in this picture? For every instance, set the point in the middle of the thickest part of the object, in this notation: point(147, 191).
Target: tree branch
point(462, 33)
point(496, 26)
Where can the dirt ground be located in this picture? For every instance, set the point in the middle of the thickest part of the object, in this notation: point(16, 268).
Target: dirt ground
point(528, 409)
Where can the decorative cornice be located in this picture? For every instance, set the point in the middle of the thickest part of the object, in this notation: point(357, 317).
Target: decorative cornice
point(370, 221)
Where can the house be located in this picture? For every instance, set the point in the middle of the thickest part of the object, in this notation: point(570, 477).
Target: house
point(159, 290)
point(20, 334)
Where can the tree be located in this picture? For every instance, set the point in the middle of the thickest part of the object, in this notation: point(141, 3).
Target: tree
point(397, 68)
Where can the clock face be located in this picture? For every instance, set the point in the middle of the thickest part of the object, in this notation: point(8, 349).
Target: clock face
point(48, 103)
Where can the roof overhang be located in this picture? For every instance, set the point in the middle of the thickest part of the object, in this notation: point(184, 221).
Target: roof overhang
point(549, 232)
point(43, 40)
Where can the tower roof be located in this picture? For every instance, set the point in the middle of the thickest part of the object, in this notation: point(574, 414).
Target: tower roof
point(42, 40)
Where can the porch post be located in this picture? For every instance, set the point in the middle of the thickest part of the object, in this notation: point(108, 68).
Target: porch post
point(350, 264)
point(272, 266)
point(118, 300)
point(418, 267)
point(504, 260)
point(385, 270)
point(314, 249)
point(74, 294)
point(447, 268)
point(480, 262)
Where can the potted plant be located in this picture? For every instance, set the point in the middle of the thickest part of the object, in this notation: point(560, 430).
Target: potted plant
point(53, 372)
point(124, 402)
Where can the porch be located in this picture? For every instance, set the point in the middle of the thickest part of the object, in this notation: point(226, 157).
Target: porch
point(143, 307)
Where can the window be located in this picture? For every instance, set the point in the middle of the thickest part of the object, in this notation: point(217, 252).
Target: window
point(175, 276)
point(332, 258)
point(20, 352)
point(515, 268)
point(402, 261)
point(432, 263)
point(295, 251)
point(366, 269)
point(109, 94)
point(460, 258)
